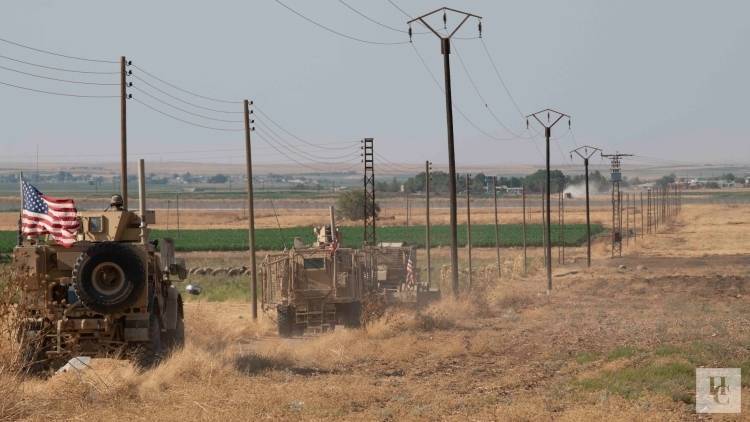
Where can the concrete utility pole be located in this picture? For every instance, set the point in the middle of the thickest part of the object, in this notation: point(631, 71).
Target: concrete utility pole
point(468, 223)
point(428, 242)
point(547, 134)
point(445, 46)
point(497, 228)
point(368, 159)
point(250, 206)
point(586, 152)
point(123, 133)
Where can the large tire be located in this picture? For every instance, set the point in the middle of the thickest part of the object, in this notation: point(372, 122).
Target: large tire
point(174, 339)
point(149, 354)
point(285, 321)
point(108, 277)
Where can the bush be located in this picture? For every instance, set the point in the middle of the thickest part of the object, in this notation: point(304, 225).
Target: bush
point(351, 205)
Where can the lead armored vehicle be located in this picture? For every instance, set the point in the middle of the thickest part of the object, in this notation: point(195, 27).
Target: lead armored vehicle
point(109, 294)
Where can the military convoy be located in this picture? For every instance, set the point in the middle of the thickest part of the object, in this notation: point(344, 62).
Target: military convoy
point(110, 294)
point(316, 287)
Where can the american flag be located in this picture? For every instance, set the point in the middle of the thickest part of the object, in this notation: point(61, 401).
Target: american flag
point(411, 279)
point(44, 214)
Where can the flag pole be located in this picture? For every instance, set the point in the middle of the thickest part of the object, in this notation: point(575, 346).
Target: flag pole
point(20, 211)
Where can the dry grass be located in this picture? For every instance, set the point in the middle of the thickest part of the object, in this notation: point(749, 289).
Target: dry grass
point(608, 343)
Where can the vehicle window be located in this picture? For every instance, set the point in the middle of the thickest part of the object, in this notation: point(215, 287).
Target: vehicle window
point(314, 263)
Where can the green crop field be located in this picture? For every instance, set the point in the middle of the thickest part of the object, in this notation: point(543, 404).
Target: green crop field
point(274, 239)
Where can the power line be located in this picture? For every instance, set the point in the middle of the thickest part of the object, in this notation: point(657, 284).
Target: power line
point(220, 100)
point(58, 79)
point(62, 94)
point(283, 129)
point(309, 155)
point(333, 31)
point(181, 100)
point(400, 9)
point(182, 109)
point(348, 6)
point(500, 78)
point(465, 117)
point(183, 120)
point(289, 157)
point(481, 97)
point(62, 69)
point(56, 54)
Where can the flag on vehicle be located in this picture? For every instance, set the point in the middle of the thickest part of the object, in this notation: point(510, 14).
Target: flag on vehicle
point(42, 214)
point(411, 279)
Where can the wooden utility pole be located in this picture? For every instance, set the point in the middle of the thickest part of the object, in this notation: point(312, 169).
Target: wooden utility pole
point(545, 238)
point(587, 152)
point(123, 134)
point(497, 228)
point(643, 228)
point(428, 243)
point(468, 224)
point(627, 219)
point(559, 226)
point(250, 209)
point(562, 225)
point(445, 46)
point(523, 209)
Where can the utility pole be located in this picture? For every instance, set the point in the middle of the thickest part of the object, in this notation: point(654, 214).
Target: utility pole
point(497, 228)
point(616, 178)
point(406, 203)
point(643, 228)
point(468, 223)
point(547, 134)
point(627, 219)
point(545, 238)
point(586, 152)
point(523, 209)
point(562, 226)
point(251, 207)
point(428, 243)
point(445, 46)
point(177, 205)
point(368, 159)
point(123, 133)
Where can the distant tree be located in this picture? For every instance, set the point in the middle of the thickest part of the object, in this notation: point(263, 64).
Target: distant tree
point(218, 178)
point(729, 177)
point(537, 181)
point(350, 204)
point(665, 180)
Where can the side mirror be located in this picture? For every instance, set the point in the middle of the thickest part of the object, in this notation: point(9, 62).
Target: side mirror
point(194, 290)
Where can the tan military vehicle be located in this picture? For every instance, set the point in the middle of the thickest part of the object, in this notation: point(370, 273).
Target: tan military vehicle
point(313, 287)
point(108, 295)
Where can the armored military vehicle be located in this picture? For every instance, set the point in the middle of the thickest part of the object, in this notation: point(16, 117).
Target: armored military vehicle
point(313, 287)
point(109, 294)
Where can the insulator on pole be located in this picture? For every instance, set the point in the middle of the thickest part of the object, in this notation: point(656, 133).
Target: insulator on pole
point(445, 20)
point(480, 29)
point(409, 33)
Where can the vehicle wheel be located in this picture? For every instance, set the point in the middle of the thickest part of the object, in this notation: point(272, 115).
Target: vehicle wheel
point(353, 315)
point(108, 277)
point(149, 354)
point(175, 339)
point(285, 321)
point(32, 352)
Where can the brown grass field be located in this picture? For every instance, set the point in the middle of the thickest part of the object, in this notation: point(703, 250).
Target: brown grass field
point(619, 341)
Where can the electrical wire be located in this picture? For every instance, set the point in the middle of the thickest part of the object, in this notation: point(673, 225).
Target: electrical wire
point(219, 100)
point(283, 129)
point(183, 120)
point(62, 94)
point(333, 31)
point(500, 78)
point(348, 6)
point(481, 97)
point(287, 156)
point(182, 109)
point(391, 164)
point(311, 156)
point(399, 9)
point(181, 100)
point(39, 50)
point(62, 69)
point(58, 79)
point(460, 112)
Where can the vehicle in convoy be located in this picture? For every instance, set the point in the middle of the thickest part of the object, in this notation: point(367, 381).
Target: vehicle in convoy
point(313, 287)
point(323, 285)
point(109, 294)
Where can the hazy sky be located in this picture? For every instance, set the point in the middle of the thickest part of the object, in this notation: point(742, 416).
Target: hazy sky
point(662, 79)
